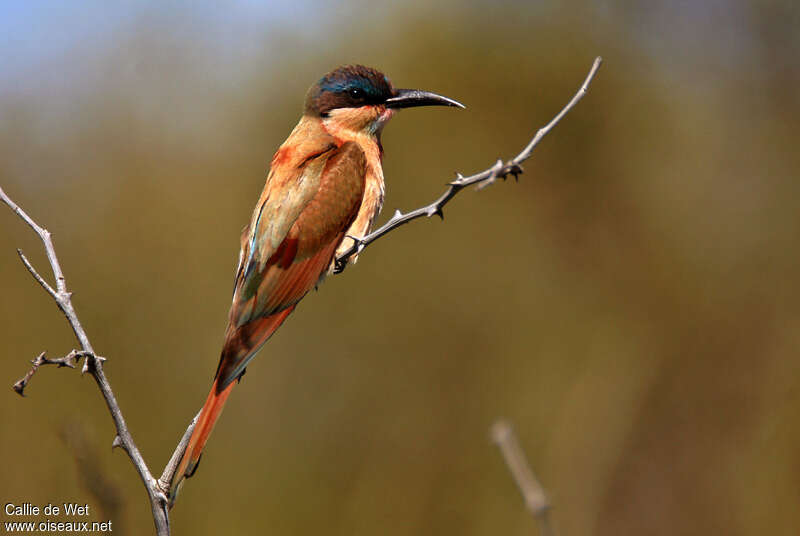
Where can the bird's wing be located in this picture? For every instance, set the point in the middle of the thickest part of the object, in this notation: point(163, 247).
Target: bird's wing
point(301, 218)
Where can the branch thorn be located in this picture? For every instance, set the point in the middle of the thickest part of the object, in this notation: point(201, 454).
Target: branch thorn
point(436, 211)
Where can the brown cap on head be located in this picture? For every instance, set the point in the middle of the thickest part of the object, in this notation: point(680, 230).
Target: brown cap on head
point(349, 86)
point(353, 86)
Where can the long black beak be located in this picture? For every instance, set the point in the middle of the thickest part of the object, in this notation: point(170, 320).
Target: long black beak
point(408, 98)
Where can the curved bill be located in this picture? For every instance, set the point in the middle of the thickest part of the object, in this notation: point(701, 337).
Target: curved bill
point(408, 98)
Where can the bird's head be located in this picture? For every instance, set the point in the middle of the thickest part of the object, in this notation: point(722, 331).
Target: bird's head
point(362, 99)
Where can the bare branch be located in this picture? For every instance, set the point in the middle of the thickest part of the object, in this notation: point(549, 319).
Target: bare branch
point(93, 364)
point(39, 279)
point(533, 493)
point(69, 360)
point(44, 234)
point(60, 295)
point(484, 178)
point(172, 465)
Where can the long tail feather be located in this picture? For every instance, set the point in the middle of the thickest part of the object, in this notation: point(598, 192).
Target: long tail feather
point(205, 424)
point(241, 344)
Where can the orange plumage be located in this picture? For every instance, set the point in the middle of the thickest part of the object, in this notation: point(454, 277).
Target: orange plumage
point(325, 183)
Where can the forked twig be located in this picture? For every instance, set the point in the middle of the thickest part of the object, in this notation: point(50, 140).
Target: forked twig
point(93, 364)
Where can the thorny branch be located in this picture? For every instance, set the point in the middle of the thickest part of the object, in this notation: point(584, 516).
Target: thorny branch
point(93, 364)
point(533, 493)
point(69, 360)
point(483, 179)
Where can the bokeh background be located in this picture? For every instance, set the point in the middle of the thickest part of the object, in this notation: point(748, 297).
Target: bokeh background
point(631, 305)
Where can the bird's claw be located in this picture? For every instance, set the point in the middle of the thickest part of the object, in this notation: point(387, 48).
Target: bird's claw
point(513, 169)
point(339, 265)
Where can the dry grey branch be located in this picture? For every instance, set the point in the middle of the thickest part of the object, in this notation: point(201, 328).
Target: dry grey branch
point(93, 364)
point(69, 360)
point(533, 493)
point(172, 465)
point(483, 179)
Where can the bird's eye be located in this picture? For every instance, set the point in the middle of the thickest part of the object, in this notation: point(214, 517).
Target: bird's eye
point(357, 93)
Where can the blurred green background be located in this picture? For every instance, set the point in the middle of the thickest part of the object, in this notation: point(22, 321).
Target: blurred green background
point(631, 305)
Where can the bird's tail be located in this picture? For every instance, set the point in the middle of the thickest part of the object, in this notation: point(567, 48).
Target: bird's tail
point(241, 344)
point(202, 429)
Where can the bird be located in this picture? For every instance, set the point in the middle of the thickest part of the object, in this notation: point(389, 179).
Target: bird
point(324, 189)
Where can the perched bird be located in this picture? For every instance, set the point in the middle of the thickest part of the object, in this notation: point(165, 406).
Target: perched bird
point(324, 186)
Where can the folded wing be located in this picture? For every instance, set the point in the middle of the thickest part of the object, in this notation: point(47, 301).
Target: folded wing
point(300, 220)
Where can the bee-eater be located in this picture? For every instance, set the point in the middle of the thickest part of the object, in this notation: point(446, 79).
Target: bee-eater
point(325, 185)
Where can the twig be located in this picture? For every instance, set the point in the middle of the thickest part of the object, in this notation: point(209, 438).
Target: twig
point(533, 493)
point(93, 364)
point(172, 465)
point(69, 360)
point(483, 179)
